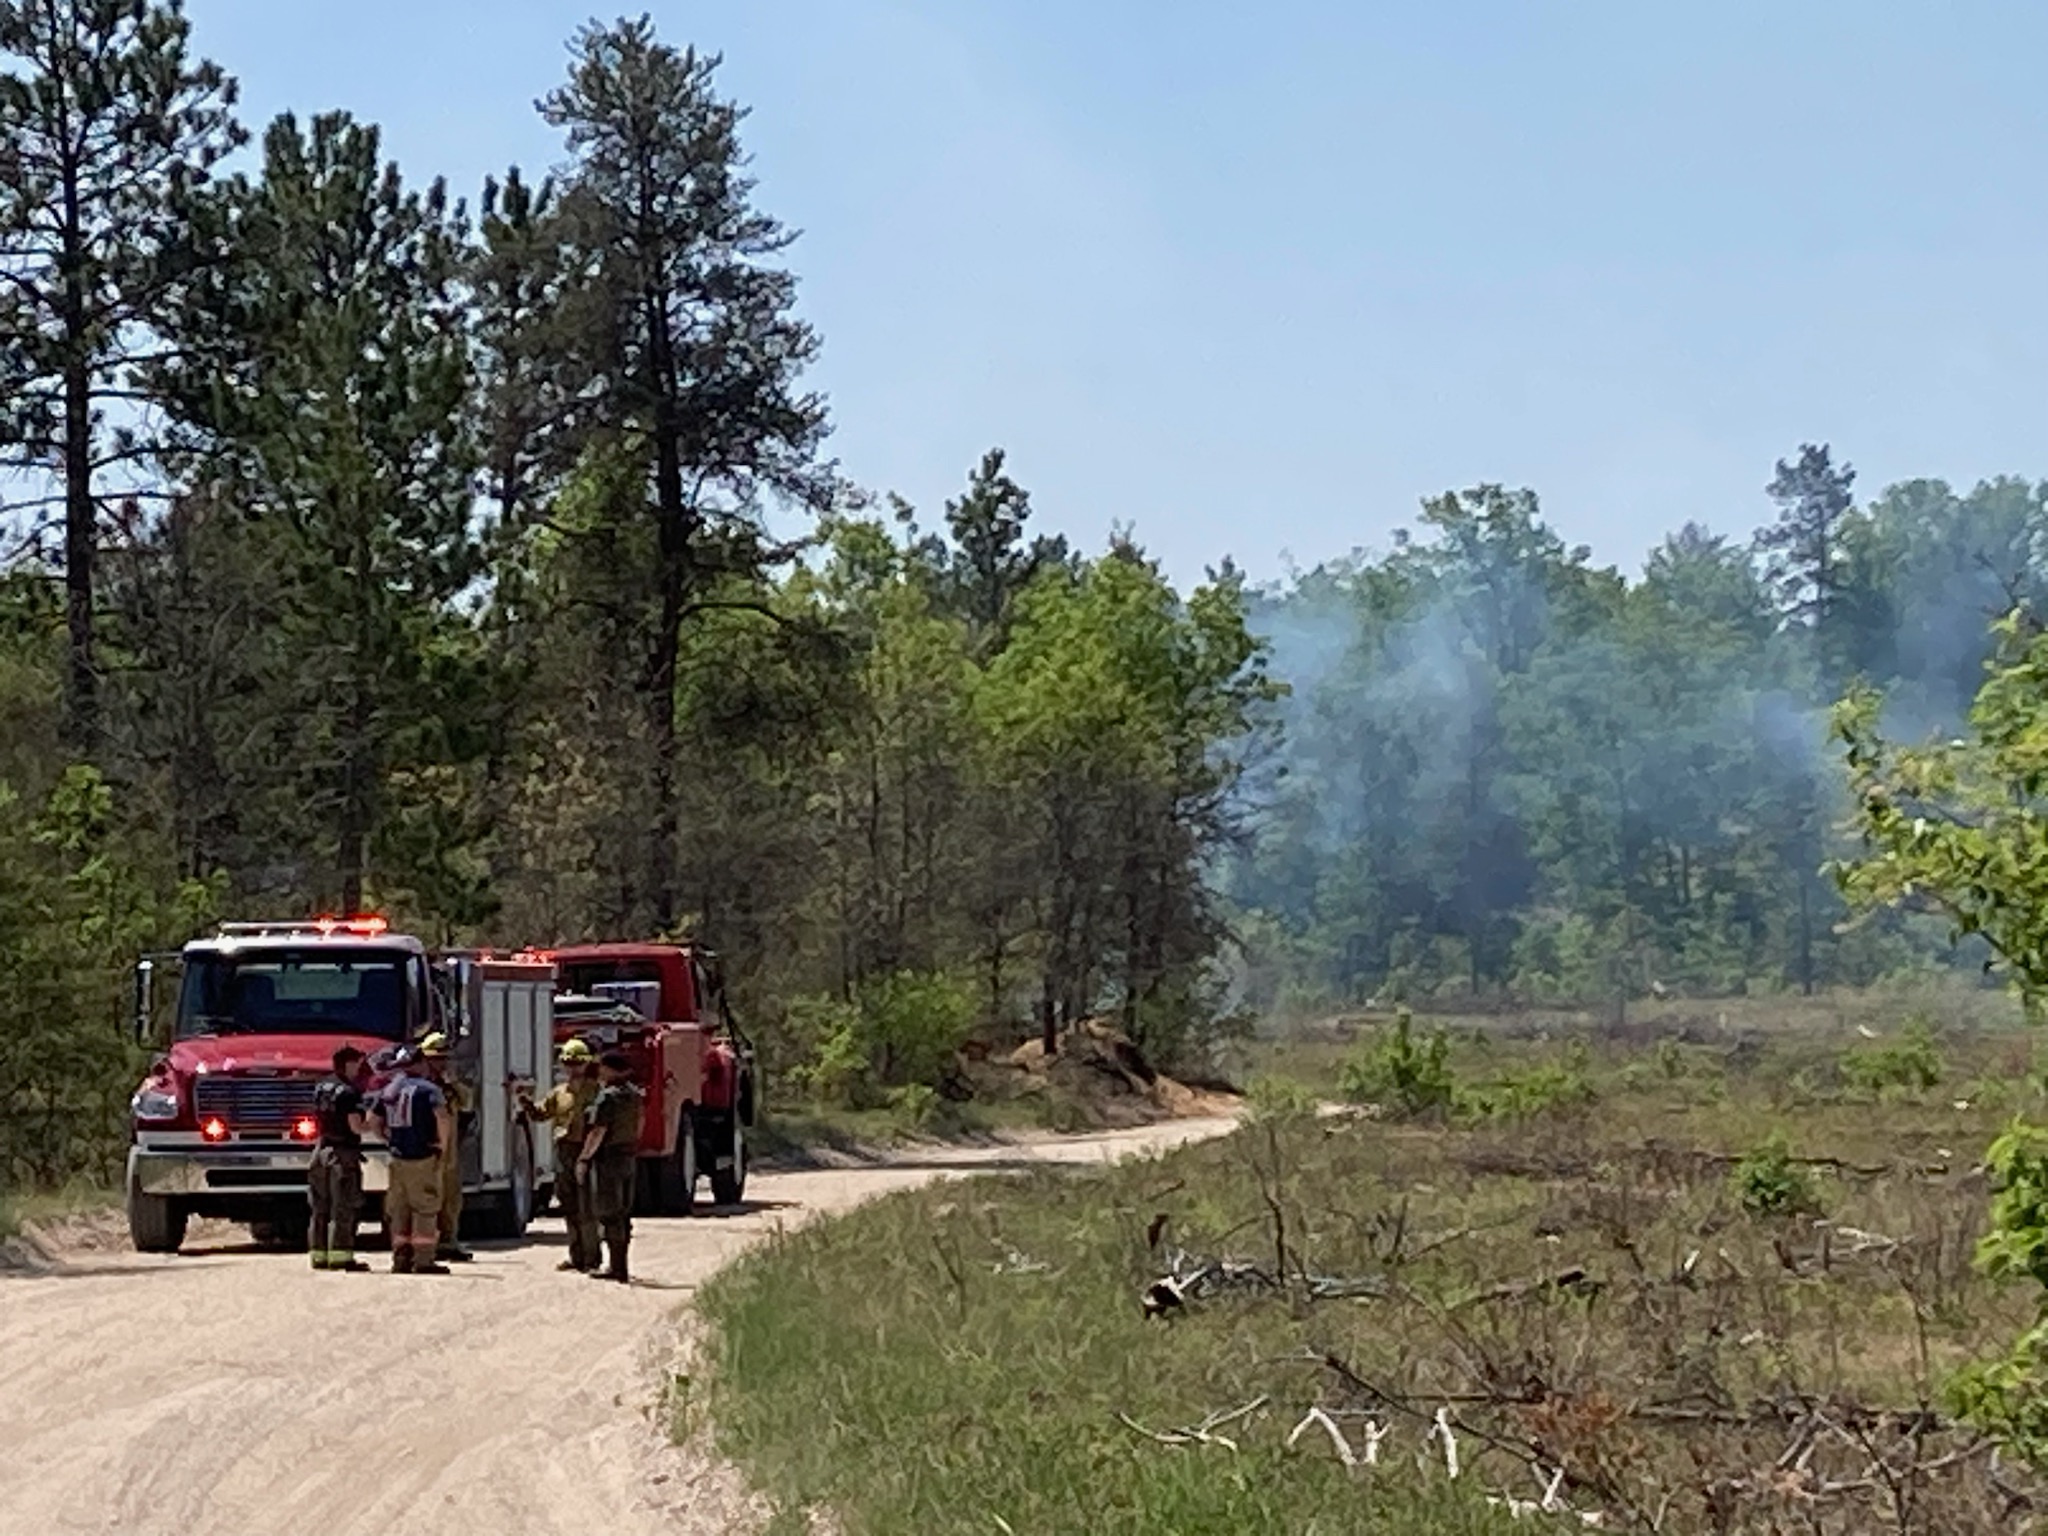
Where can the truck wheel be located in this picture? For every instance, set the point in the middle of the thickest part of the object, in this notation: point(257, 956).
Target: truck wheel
point(507, 1212)
point(729, 1183)
point(156, 1223)
point(521, 1203)
point(285, 1236)
point(676, 1175)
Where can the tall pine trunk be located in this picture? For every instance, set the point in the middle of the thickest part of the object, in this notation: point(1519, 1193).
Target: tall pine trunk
point(673, 513)
point(359, 754)
point(81, 527)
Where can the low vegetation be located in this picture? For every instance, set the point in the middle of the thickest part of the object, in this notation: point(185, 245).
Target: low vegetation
point(1691, 1284)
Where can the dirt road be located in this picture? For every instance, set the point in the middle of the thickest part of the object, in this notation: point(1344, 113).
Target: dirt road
point(238, 1393)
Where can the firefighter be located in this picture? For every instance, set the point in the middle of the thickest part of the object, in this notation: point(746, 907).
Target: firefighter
point(417, 1124)
point(565, 1109)
point(447, 1247)
point(334, 1181)
point(610, 1142)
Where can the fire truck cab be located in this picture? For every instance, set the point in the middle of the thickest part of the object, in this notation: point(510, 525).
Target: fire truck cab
point(223, 1124)
point(665, 1007)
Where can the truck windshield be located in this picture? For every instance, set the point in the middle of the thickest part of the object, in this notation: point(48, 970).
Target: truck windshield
point(294, 992)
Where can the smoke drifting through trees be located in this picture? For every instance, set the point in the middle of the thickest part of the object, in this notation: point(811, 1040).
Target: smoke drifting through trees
point(1509, 770)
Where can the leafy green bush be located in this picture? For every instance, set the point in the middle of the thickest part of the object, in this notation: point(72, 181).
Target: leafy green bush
point(82, 891)
point(1277, 1098)
point(1406, 1076)
point(899, 1031)
point(1769, 1183)
point(2008, 1397)
point(913, 1106)
point(1911, 1064)
point(916, 1021)
point(1545, 1088)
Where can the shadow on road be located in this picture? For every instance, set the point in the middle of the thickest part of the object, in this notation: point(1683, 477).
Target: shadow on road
point(727, 1212)
point(94, 1269)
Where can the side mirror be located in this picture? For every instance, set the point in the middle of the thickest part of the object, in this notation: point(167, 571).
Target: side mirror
point(144, 1021)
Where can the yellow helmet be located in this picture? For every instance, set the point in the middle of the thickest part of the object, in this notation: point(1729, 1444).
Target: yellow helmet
point(435, 1044)
point(574, 1050)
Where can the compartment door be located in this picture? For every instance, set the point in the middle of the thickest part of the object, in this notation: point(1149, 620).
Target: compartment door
point(492, 1096)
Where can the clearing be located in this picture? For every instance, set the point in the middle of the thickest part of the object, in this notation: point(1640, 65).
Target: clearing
point(1591, 1254)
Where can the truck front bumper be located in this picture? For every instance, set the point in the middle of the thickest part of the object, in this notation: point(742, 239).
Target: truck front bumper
point(243, 1170)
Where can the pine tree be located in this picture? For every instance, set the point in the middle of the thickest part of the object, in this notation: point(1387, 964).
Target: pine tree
point(323, 389)
point(1802, 549)
point(991, 560)
point(106, 124)
point(691, 352)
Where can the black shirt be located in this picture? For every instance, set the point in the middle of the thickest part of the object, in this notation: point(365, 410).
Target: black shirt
point(333, 1102)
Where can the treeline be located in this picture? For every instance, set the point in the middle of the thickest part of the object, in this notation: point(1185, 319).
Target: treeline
point(1512, 773)
point(485, 567)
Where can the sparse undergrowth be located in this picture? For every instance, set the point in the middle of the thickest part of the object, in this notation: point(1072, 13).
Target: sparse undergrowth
point(1645, 1297)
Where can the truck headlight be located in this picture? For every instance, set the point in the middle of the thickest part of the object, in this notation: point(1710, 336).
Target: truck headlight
point(154, 1104)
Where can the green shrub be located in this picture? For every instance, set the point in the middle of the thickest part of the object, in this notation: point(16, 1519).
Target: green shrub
point(1406, 1076)
point(1769, 1183)
point(899, 1031)
point(1277, 1098)
point(1911, 1064)
point(2008, 1397)
point(1545, 1088)
point(917, 1021)
point(913, 1106)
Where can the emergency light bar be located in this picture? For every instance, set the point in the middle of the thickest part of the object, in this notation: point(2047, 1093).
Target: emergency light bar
point(367, 926)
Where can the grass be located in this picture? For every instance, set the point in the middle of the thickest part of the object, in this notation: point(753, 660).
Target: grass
point(19, 1208)
point(906, 1369)
point(1593, 1285)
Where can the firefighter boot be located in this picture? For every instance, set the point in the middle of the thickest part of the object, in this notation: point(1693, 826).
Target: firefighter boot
point(401, 1259)
point(616, 1269)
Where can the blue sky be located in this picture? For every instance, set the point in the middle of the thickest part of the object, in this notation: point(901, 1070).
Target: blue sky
point(1256, 279)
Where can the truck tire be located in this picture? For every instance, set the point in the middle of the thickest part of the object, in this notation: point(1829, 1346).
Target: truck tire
point(156, 1223)
point(506, 1213)
point(283, 1235)
point(729, 1135)
point(522, 1200)
point(675, 1176)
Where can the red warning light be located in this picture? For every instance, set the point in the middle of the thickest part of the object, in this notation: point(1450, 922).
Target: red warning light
point(305, 1128)
point(215, 1129)
point(369, 925)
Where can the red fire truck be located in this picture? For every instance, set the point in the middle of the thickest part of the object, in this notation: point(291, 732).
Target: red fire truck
point(665, 1006)
point(223, 1125)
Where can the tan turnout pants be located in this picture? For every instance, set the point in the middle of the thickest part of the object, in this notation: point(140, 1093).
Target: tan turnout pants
point(413, 1204)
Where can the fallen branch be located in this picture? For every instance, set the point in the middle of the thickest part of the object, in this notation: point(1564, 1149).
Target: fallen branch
point(1576, 1281)
point(1345, 1454)
point(1203, 1433)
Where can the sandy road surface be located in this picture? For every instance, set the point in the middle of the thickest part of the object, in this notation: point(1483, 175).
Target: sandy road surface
point(238, 1393)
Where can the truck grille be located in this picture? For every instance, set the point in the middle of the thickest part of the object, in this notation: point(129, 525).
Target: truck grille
point(254, 1103)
